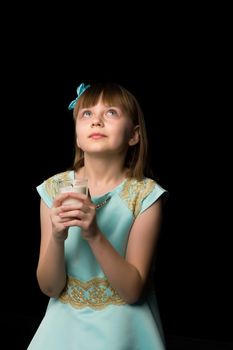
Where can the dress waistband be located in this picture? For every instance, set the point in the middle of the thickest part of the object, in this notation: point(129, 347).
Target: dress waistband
point(95, 293)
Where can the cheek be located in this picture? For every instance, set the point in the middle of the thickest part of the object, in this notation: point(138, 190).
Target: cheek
point(77, 141)
point(127, 134)
point(122, 138)
point(79, 135)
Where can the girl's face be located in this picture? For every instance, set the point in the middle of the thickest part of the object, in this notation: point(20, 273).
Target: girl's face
point(105, 129)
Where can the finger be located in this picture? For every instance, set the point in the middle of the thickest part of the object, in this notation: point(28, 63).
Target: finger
point(88, 193)
point(59, 199)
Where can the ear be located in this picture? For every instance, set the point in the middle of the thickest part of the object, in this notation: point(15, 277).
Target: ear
point(135, 136)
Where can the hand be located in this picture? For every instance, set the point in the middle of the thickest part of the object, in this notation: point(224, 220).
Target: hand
point(82, 213)
point(59, 229)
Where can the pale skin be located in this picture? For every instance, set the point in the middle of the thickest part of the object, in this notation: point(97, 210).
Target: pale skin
point(104, 133)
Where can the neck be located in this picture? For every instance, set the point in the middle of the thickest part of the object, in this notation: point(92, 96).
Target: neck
point(103, 175)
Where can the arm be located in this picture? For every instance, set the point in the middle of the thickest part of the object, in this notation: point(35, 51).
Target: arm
point(51, 269)
point(51, 273)
point(129, 275)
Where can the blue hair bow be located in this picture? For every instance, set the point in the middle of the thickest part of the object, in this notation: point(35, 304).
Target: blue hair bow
point(80, 90)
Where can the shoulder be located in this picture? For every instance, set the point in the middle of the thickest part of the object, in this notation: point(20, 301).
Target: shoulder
point(140, 194)
point(49, 188)
point(134, 187)
point(51, 184)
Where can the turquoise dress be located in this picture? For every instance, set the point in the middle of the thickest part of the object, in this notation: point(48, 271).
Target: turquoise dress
point(89, 314)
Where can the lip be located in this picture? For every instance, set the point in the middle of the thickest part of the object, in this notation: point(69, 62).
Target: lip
point(96, 136)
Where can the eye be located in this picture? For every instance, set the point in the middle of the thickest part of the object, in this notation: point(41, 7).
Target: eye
point(86, 114)
point(111, 113)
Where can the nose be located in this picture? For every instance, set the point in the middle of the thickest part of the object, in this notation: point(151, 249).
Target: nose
point(97, 121)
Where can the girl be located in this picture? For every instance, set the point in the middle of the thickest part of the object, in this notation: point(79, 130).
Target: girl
point(96, 254)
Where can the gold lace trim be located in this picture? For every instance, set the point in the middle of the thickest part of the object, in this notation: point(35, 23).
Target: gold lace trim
point(95, 293)
point(52, 184)
point(135, 191)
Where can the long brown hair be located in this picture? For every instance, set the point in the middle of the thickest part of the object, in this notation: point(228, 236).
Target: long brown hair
point(136, 160)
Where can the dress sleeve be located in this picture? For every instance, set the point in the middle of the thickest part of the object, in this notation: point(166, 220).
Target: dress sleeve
point(50, 187)
point(153, 196)
point(46, 195)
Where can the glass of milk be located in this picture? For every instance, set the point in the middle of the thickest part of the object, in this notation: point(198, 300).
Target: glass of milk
point(78, 185)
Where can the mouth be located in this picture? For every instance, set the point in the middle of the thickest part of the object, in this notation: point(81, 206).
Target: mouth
point(96, 136)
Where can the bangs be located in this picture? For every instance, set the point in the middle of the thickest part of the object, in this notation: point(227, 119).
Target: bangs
point(109, 94)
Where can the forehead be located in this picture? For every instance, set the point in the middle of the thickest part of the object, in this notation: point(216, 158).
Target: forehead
point(102, 97)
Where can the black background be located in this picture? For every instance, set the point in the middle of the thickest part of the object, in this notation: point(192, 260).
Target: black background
point(177, 79)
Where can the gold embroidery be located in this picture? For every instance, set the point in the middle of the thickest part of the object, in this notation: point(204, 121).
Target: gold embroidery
point(95, 293)
point(135, 191)
point(51, 184)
